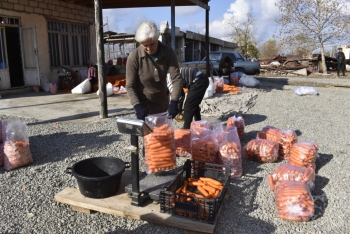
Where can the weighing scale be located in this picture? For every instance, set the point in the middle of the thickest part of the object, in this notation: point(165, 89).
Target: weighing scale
point(143, 187)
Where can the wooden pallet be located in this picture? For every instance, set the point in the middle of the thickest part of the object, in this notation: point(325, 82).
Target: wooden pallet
point(120, 205)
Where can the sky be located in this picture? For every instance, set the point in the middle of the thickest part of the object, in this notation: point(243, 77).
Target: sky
point(192, 18)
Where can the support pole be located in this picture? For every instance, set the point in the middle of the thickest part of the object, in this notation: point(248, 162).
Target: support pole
point(173, 24)
point(100, 59)
point(207, 41)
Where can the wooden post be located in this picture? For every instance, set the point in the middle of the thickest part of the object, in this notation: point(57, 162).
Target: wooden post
point(207, 41)
point(100, 59)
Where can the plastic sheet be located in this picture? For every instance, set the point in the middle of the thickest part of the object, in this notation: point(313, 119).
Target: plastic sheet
point(305, 90)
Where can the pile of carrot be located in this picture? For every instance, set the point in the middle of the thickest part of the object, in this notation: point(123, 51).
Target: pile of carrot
point(182, 138)
point(204, 187)
point(237, 122)
point(204, 150)
point(17, 154)
point(294, 201)
point(285, 139)
point(291, 173)
point(304, 154)
point(261, 150)
point(195, 191)
point(230, 153)
point(159, 150)
point(232, 89)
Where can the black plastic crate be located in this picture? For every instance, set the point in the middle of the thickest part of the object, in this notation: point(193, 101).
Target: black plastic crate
point(199, 209)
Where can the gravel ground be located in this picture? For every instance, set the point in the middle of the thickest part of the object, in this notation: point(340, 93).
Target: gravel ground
point(26, 194)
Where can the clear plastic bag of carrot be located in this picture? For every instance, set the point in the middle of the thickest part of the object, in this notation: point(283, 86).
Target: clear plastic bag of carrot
point(261, 150)
point(159, 145)
point(285, 139)
point(182, 138)
point(237, 122)
point(294, 201)
point(229, 150)
point(291, 172)
point(304, 154)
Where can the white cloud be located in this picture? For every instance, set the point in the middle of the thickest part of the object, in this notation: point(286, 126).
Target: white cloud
point(188, 10)
point(135, 23)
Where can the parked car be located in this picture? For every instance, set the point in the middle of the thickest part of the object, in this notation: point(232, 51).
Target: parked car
point(240, 64)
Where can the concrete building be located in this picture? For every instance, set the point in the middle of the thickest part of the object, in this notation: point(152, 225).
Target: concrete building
point(37, 36)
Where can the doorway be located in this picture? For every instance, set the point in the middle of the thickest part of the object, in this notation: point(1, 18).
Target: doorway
point(14, 57)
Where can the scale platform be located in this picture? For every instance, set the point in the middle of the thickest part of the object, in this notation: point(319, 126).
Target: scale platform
point(152, 184)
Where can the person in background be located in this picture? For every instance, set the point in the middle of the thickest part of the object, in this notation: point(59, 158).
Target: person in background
point(197, 83)
point(92, 76)
point(108, 66)
point(146, 72)
point(226, 66)
point(340, 56)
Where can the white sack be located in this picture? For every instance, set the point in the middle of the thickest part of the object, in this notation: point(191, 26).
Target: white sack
point(83, 87)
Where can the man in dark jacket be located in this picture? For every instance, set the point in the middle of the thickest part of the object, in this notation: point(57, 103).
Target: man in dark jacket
point(341, 61)
point(197, 83)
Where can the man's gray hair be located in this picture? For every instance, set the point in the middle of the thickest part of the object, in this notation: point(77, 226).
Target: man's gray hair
point(147, 30)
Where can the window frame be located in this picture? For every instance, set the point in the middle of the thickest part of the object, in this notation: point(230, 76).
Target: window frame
point(70, 37)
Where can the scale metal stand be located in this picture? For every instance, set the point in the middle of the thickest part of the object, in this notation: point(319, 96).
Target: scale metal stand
point(143, 187)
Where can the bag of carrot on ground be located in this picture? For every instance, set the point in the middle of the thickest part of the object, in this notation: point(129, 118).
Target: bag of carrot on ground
point(230, 151)
point(16, 145)
point(198, 128)
point(159, 145)
point(261, 150)
point(291, 173)
point(182, 138)
point(304, 154)
point(294, 201)
point(285, 139)
point(237, 122)
point(203, 147)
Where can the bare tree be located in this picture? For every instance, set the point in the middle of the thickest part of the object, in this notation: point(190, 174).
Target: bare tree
point(327, 21)
point(243, 33)
point(269, 48)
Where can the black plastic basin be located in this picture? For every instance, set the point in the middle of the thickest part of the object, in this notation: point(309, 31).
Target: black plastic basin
point(98, 177)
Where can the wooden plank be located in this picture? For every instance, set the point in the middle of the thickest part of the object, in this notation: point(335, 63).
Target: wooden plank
point(120, 205)
point(80, 209)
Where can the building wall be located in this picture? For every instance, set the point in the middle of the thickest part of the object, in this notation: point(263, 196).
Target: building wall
point(35, 13)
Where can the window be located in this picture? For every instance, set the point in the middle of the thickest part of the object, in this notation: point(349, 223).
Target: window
point(69, 44)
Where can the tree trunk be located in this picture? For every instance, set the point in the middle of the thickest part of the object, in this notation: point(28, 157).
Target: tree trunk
point(324, 67)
